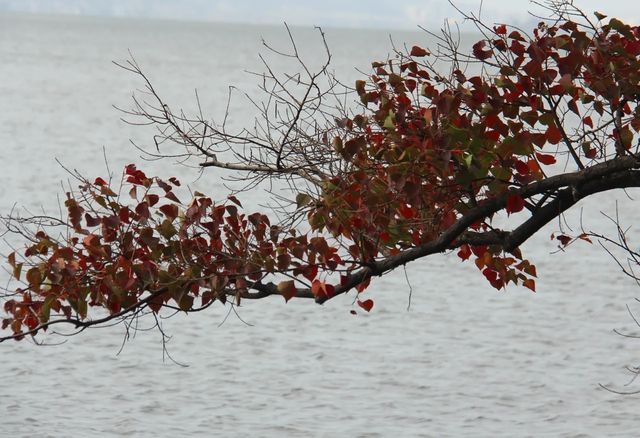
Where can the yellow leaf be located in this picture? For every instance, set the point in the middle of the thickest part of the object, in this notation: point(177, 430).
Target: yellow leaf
point(287, 289)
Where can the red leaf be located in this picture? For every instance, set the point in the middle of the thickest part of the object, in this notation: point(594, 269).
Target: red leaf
point(479, 250)
point(533, 166)
point(546, 159)
point(418, 51)
point(283, 262)
point(406, 211)
point(143, 210)
point(490, 274)
point(131, 280)
point(170, 211)
point(530, 269)
point(100, 182)
point(500, 30)
point(310, 272)
point(353, 146)
point(231, 210)
point(91, 241)
point(31, 322)
point(329, 290)
point(234, 200)
point(362, 286)
point(366, 305)
point(156, 304)
point(522, 167)
point(465, 252)
point(530, 283)
point(553, 134)
point(322, 289)
point(91, 221)
point(564, 240)
point(163, 185)
point(135, 176)
point(532, 68)
point(587, 121)
point(34, 277)
point(479, 53)
point(492, 135)
point(123, 214)
point(153, 199)
point(171, 196)
point(573, 107)
point(316, 288)
point(585, 237)
point(449, 219)
point(515, 203)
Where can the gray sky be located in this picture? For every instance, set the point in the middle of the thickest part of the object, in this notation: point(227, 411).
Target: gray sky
point(396, 14)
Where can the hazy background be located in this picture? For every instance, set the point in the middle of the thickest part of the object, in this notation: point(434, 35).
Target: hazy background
point(380, 14)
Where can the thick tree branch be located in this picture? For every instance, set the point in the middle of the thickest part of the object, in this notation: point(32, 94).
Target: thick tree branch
point(569, 188)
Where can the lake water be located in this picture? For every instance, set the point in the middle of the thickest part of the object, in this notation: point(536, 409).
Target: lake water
point(465, 360)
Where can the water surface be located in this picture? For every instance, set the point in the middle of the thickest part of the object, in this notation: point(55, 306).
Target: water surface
point(465, 360)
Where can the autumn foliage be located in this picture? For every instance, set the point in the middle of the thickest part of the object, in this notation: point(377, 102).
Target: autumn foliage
point(525, 126)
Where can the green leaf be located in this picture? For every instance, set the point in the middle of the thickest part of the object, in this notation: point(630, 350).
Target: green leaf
point(186, 302)
point(82, 308)
point(501, 173)
point(34, 277)
point(599, 16)
point(302, 199)
point(17, 269)
point(101, 201)
point(626, 136)
point(394, 79)
point(45, 311)
point(317, 222)
point(616, 24)
point(337, 144)
point(166, 229)
point(389, 122)
point(458, 134)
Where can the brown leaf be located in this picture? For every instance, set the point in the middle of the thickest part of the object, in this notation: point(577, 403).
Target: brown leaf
point(287, 289)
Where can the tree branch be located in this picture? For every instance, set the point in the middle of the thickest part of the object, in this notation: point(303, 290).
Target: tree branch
point(569, 188)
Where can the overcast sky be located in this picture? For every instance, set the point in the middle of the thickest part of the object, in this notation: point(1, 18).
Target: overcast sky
point(392, 14)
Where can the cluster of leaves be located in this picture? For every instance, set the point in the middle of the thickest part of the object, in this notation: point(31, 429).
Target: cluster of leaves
point(431, 149)
point(424, 168)
point(155, 251)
